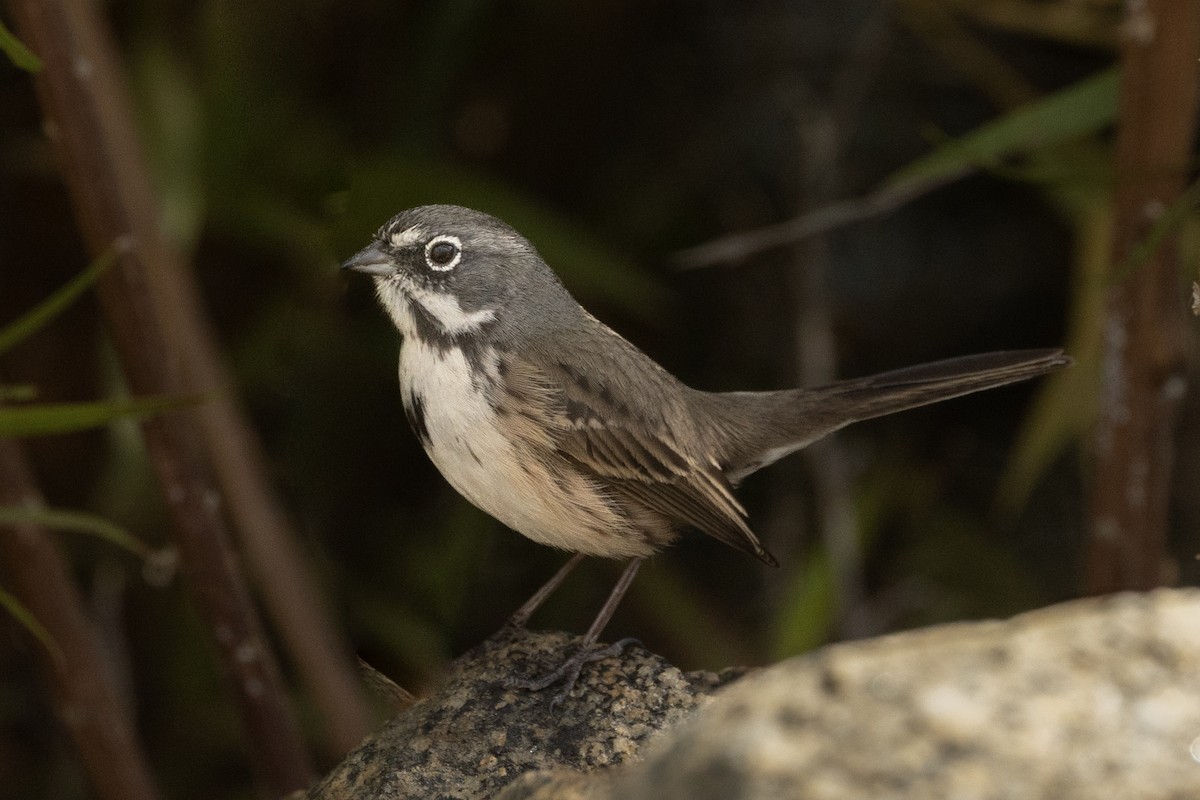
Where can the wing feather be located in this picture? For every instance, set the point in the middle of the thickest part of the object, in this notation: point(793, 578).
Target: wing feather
point(638, 458)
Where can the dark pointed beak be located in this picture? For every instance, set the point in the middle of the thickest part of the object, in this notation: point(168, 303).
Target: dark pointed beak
point(372, 260)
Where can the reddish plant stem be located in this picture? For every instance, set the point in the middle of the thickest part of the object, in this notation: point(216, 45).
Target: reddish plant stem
point(85, 695)
point(290, 591)
point(88, 120)
point(1143, 358)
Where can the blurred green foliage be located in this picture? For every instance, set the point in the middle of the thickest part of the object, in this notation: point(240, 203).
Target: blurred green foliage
point(17, 52)
point(75, 522)
point(17, 610)
point(44, 312)
point(611, 135)
point(1061, 118)
point(41, 419)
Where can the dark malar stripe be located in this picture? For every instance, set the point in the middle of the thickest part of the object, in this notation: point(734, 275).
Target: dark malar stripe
point(471, 343)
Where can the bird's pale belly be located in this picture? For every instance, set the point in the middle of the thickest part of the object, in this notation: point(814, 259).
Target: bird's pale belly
point(506, 478)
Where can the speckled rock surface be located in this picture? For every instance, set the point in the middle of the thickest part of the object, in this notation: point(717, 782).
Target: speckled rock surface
point(1091, 699)
point(475, 735)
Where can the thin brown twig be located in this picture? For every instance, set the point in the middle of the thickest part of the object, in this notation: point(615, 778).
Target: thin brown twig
point(88, 119)
point(1143, 358)
point(291, 592)
point(938, 28)
point(739, 246)
point(86, 698)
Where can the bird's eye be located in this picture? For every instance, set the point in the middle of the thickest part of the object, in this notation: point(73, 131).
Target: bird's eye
point(443, 253)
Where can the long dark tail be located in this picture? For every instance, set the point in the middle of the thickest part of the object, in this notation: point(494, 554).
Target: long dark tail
point(761, 427)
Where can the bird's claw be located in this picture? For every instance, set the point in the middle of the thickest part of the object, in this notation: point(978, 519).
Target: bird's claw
point(567, 673)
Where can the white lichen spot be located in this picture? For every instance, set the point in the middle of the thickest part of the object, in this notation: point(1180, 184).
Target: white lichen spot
point(160, 566)
point(124, 244)
point(1139, 27)
point(83, 68)
point(1107, 529)
point(1174, 388)
point(246, 652)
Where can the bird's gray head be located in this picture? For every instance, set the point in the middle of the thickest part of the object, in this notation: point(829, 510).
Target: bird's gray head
point(444, 272)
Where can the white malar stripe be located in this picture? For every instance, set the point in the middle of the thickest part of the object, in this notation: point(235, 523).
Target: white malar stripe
point(409, 236)
point(445, 309)
point(395, 298)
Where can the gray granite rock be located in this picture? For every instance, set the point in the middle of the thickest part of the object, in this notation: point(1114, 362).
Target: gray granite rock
point(475, 735)
point(1090, 699)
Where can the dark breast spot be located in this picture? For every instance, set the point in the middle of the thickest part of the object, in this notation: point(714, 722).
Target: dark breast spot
point(473, 454)
point(414, 409)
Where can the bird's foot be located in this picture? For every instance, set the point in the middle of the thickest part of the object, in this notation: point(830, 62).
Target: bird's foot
point(567, 673)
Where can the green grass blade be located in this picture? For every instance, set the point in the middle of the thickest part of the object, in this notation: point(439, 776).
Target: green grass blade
point(20, 613)
point(52, 306)
point(18, 393)
point(76, 522)
point(1081, 109)
point(17, 52)
point(51, 418)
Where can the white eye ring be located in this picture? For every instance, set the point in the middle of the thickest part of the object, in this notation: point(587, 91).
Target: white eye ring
point(444, 238)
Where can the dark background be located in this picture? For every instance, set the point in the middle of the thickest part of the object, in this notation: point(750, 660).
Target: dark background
point(613, 135)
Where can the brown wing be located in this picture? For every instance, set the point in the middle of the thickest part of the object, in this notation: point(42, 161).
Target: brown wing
point(637, 457)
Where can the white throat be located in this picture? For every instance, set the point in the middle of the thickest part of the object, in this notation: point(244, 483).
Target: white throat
point(397, 294)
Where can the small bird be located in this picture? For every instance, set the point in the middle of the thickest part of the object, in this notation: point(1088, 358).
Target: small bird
point(551, 422)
